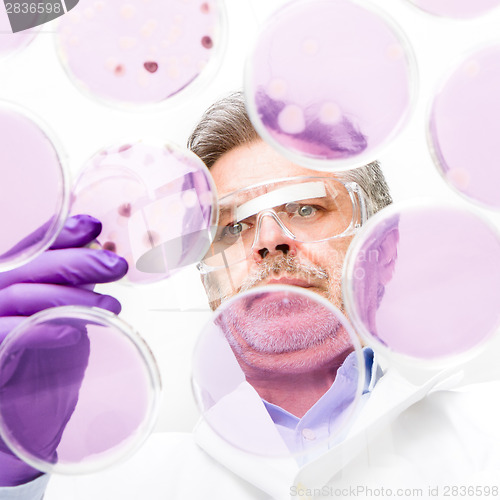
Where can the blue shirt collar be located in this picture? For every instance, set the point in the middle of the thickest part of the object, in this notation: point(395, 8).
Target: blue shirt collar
point(324, 416)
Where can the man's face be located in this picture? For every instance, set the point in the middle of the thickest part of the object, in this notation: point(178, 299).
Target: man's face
point(275, 258)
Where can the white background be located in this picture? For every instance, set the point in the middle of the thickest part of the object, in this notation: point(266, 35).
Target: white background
point(170, 315)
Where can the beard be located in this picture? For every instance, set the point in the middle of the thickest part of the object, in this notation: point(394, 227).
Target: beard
point(276, 322)
point(219, 290)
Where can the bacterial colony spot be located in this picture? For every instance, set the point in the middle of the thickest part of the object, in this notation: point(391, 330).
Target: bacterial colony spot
point(124, 148)
point(110, 246)
point(207, 42)
point(125, 210)
point(151, 66)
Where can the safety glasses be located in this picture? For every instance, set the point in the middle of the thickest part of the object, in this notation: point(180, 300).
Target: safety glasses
point(306, 209)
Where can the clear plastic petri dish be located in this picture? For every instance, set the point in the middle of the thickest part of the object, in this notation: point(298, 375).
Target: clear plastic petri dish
point(132, 55)
point(79, 390)
point(329, 84)
point(157, 204)
point(459, 9)
point(462, 127)
point(259, 360)
point(421, 283)
point(34, 192)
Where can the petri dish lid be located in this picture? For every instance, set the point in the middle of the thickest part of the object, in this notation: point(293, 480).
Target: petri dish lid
point(328, 84)
point(422, 283)
point(34, 192)
point(463, 124)
point(274, 336)
point(79, 390)
point(130, 55)
point(157, 204)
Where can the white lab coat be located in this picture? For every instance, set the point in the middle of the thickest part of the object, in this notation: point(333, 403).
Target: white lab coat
point(406, 436)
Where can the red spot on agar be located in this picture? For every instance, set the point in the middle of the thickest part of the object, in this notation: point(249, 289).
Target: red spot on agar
point(109, 245)
point(151, 66)
point(119, 70)
point(205, 8)
point(207, 42)
point(125, 147)
point(125, 210)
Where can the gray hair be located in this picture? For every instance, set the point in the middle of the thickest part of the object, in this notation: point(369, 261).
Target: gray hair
point(226, 125)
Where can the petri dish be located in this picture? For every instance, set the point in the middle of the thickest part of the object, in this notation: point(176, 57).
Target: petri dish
point(130, 54)
point(269, 340)
point(459, 9)
point(10, 42)
point(462, 125)
point(79, 390)
point(157, 204)
point(329, 84)
point(422, 282)
point(34, 192)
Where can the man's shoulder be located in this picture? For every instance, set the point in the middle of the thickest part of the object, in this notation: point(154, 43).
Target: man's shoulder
point(458, 428)
point(470, 407)
point(474, 401)
point(451, 408)
point(446, 435)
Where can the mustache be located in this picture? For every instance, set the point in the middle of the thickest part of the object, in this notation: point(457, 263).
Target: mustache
point(284, 264)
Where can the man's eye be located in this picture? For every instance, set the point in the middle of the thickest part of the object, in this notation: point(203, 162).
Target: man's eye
point(304, 211)
point(233, 230)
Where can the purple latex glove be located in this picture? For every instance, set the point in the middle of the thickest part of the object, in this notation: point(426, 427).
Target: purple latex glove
point(58, 277)
point(49, 362)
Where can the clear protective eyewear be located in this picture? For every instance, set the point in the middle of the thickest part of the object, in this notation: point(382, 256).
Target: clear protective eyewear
point(306, 209)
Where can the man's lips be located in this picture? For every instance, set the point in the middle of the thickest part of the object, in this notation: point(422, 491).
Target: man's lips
point(290, 281)
point(277, 281)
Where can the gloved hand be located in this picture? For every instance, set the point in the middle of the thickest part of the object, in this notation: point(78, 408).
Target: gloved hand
point(54, 364)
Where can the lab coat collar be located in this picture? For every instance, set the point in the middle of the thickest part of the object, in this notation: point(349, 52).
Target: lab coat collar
point(275, 476)
point(272, 475)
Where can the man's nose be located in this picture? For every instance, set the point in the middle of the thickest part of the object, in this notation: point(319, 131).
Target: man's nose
point(271, 240)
